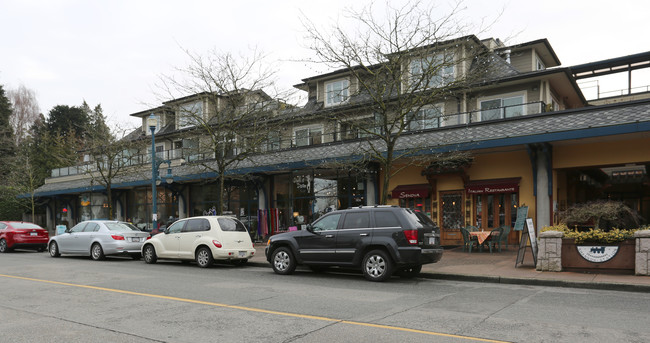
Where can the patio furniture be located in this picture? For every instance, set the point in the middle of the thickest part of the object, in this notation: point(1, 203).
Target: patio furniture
point(504, 236)
point(468, 241)
point(495, 238)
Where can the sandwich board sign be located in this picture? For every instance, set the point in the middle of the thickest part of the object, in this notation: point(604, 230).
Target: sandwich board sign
point(528, 234)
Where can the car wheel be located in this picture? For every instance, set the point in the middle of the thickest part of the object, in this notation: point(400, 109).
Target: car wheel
point(239, 262)
point(204, 257)
point(410, 272)
point(54, 249)
point(150, 256)
point(96, 252)
point(282, 261)
point(3, 246)
point(377, 266)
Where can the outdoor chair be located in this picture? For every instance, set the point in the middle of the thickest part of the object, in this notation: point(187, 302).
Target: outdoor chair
point(504, 236)
point(471, 228)
point(495, 238)
point(468, 241)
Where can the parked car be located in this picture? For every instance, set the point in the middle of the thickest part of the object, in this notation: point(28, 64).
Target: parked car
point(99, 238)
point(202, 239)
point(379, 240)
point(22, 235)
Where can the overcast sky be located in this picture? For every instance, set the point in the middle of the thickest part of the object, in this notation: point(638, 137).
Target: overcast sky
point(112, 52)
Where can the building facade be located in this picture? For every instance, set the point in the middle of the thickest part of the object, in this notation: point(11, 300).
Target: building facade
point(518, 129)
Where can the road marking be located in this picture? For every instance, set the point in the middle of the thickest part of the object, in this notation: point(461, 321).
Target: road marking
point(258, 310)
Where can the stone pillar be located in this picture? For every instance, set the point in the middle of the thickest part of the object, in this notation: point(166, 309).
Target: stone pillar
point(549, 252)
point(642, 258)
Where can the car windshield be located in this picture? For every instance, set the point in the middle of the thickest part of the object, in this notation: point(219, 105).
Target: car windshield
point(121, 227)
point(25, 226)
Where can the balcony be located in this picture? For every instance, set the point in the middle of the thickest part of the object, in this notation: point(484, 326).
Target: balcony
point(277, 143)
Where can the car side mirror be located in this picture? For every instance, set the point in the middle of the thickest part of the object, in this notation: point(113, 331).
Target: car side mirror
point(309, 228)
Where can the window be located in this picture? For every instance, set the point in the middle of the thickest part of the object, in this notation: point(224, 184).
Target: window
point(425, 118)
point(386, 219)
point(190, 114)
point(228, 224)
point(308, 136)
point(195, 225)
point(327, 223)
point(432, 71)
point(356, 220)
point(176, 227)
point(336, 92)
point(273, 141)
point(540, 65)
point(500, 108)
point(91, 227)
point(78, 228)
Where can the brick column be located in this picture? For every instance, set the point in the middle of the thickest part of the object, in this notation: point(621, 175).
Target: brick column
point(549, 251)
point(642, 257)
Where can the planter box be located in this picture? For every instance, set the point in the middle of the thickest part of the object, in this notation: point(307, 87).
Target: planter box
point(621, 262)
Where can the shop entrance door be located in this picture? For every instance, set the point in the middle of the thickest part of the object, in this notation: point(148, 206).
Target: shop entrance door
point(451, 217)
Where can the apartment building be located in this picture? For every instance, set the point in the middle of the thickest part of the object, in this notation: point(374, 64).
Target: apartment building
point(513, 124)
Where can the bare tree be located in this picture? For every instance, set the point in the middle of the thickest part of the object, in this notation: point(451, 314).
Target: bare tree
point(25, 112)
point(399, 64)
point(110, 154)
point(232, 107)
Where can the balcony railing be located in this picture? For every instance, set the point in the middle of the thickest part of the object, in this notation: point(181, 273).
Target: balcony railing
point(317, 138)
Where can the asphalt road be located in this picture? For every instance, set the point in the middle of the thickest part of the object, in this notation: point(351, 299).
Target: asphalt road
point(74, 299)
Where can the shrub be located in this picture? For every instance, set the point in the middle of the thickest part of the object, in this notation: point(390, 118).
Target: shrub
point(594, 235)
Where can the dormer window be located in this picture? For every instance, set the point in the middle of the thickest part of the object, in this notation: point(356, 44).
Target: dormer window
point(432, 71)
point(540, 64)
point(190, 114)
point(336, 92)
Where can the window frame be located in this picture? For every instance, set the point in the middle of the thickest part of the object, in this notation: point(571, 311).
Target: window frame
point(184, 114)
point(343, 93)
point(315, 128)
point(439, 119)
point(503, 110)
point(445, 74)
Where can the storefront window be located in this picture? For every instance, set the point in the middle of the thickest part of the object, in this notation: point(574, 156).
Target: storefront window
point(141, 203)
point(93, 206)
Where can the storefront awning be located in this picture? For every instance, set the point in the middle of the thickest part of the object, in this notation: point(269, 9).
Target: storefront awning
point(411, 191)
point(492, 186)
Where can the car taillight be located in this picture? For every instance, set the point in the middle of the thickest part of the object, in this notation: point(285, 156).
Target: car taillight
point(217, 243)
point(411, 236)
point(118, 237)
point(20, 231)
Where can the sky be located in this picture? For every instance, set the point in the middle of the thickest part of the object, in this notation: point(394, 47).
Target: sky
point(113, 52)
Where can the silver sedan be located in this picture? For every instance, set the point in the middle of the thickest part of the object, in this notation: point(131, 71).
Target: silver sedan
point(99, 238)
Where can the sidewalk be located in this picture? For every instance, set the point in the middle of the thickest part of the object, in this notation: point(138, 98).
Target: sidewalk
point(500, 268)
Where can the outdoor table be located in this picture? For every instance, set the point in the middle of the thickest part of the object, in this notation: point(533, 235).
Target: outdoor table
point(481, 235)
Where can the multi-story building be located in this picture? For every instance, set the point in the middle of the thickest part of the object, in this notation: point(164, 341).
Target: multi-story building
point(514, 126)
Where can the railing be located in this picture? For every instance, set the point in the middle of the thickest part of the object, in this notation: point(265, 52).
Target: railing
point(418, 125)
point(591, 90)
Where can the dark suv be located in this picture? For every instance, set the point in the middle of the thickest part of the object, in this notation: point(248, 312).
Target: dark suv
point(380, 240)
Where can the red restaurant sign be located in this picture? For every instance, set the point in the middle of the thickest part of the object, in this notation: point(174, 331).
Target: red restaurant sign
point(510, 185)
point(411, 191)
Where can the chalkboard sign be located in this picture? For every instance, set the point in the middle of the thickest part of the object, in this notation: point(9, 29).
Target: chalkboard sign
point(522, 213)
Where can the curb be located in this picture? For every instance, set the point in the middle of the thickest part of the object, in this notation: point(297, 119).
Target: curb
point(607, 286)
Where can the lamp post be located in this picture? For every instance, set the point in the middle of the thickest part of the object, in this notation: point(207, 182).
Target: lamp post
point(152, 123)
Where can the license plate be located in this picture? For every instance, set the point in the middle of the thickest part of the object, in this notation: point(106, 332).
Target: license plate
point(432, 241)
point(242, 254)
point(33, 233)
point(135, 239)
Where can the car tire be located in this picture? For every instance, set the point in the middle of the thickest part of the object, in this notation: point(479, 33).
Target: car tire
point(377, 266)
point(3, 246)
point(204, 257)
point(149, 254)
point(410, 272)
point(96, 252)
point(54, 249)
point(282, 261)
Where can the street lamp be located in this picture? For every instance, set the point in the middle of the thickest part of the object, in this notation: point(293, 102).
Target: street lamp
point(152, 123)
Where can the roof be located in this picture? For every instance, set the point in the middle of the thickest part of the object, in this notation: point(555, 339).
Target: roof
point(612, 65)
point(587, 122)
